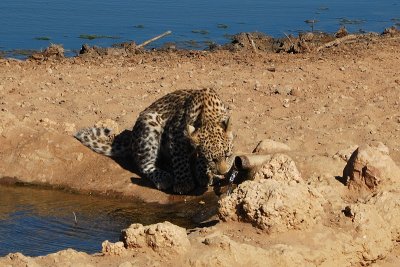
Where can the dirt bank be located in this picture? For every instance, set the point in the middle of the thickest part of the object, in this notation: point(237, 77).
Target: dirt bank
point(322, 104)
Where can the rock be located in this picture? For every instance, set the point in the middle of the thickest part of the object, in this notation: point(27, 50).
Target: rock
point(269, 146)
point(392, 31)
point(296, 92)
point(220, 250)
point(342, 32)
point(282, 90)
point(373, 233)
point(370, 168)
point(346, 153)
point(156, 236)
point(274, 206)
point(54, 51)
point(387, 204)
point(79, 157)
point(281, 168)
point(69, 127)
point(109, 248)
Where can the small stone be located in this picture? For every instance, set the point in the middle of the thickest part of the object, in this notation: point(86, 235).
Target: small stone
point(282, 90)
point(79, 157)
point(69, 127)
point(110, 248)
point(342, 69)
point(296, 92)
point(271, 69)
point(342, 32)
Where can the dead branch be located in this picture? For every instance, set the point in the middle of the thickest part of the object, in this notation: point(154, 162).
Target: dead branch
point(338, 41)
point(253, 45)
point(153, 39)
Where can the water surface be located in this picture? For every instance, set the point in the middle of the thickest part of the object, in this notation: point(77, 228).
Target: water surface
point(40, 221)
point(34, 24)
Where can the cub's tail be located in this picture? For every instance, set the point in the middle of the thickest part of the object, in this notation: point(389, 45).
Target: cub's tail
point(101, 140)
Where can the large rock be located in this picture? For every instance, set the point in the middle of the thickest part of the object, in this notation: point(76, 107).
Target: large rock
point(279, 167)
point(370, 168)
point(372, 233)
point(276, 200)
point(387, 204)
point(274, 206)
point(268, 146)
point(156, 236)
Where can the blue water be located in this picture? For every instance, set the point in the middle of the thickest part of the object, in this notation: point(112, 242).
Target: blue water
point(193, 23)
point(39, 221)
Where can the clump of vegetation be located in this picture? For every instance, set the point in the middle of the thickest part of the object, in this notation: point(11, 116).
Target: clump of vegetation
point(191, 44)
point(23, 52)
point(42, 38)
point(344, 21)
point(323, 8)
point(95, 36)
point(201, 31)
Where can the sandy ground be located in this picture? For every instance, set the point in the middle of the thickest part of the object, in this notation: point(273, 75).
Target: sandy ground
point(318, 103)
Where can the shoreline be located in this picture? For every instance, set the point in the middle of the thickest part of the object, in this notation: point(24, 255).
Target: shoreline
point(324, 37)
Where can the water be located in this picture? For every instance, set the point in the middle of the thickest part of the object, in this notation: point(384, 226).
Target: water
point(39, 221)
point(34, 24)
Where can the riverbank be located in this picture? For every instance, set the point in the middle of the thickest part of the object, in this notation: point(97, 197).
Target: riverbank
point(321, 101)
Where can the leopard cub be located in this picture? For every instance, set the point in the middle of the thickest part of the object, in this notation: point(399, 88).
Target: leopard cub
point(189, 129)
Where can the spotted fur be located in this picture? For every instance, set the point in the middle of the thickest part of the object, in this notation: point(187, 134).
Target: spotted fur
point(180, 128)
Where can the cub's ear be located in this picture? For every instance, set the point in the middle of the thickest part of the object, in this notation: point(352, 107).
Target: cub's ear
point(227, 125)
point(191, 133)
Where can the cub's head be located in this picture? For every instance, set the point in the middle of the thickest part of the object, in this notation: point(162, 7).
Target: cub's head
point(213, 143)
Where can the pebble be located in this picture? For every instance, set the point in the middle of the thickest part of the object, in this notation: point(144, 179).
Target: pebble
point(342, 69)
point(69, 127)
point(284, 90)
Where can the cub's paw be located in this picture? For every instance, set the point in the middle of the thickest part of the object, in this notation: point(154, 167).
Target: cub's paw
point(184, 187)
point(203, 180)
point(163, 185)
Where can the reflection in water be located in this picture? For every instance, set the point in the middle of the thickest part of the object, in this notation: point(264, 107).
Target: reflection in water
point(39, 221)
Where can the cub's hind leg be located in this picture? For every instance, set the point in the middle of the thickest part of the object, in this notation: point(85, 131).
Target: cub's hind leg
point(146, 149)
point(181, 155)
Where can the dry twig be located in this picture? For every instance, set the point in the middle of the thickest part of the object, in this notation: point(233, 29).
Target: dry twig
point(253, 45)
point(338, 41)
point(153, 39)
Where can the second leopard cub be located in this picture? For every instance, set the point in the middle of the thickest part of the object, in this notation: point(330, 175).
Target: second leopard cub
point(182, 127)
